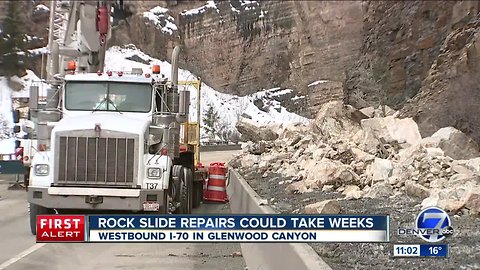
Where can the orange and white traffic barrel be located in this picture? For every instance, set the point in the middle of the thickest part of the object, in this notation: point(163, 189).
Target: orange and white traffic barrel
point(216, 190)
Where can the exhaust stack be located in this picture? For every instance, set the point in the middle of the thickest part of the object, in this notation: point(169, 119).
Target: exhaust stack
point(183, 103)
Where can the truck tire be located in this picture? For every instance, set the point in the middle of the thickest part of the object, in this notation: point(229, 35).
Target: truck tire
point(26, 178)
point(183, 198)
point(189, 180)
point(34, 211)
point(164, 209)
point(197, 193)
point(182, 190)
point(177, 173)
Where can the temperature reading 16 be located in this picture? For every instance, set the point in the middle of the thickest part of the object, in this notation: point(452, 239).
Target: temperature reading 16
point(434, 250)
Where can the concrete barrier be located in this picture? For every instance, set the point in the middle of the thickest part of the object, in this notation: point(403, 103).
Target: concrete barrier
point(220, 147)
point(298, 256)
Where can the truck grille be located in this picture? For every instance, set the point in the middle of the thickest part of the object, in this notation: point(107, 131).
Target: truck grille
point(96, 161)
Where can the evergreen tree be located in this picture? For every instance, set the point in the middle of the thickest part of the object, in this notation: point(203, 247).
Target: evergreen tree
point(12, 42)
point(210, 120)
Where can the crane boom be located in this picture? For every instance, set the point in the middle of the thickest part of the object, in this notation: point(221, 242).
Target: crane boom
point(79, 30)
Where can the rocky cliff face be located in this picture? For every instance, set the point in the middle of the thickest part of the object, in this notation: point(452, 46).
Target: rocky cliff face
point(450, 92)
point(422, 57)
point(419, 56)
point(401, 41)
point(241, 47)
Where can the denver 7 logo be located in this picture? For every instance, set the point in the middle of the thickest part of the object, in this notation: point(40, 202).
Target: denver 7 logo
point(435, 223)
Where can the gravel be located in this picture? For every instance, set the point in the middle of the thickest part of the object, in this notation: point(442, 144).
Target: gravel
point(464, 244)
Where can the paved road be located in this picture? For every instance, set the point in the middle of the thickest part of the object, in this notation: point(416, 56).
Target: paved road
point(18, 249)
point(217, 156)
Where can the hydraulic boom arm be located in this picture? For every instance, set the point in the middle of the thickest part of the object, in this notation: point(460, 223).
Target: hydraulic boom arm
point(79, 30)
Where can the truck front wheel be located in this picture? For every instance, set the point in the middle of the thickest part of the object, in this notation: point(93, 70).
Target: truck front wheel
point(164, 209)
point(182, 192)
point(36, 210)
point(197, 193)
point(189, 182)
point(26, 178)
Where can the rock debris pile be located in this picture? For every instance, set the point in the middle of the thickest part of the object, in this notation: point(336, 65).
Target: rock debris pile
point(366, 153)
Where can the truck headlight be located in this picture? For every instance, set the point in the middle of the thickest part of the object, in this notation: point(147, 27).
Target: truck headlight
point(154, 172)
point(41, 169)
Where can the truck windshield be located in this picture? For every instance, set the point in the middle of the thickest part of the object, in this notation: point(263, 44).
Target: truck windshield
point(108, 96)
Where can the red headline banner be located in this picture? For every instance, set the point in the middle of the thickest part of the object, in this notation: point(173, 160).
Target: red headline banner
point(56, 228)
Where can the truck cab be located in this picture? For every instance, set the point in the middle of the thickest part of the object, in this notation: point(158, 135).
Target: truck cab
point(114, 147)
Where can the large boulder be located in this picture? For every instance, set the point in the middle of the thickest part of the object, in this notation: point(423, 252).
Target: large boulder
point(368, 111)
point(383, 111)
point(454, 143)
point(251, 132)
point(416, 190)
point(379, 190)
point(335, 120)
point(454, 198)
point(257, 148)
point(292, 134)
point(329, 172)
point(352, 192)
point(324, 207)
point(380, 170)
point(247, 161)
point(472, 201)
point(362, 155)
point(298, 187)
point(473, 164)
point(392, 130)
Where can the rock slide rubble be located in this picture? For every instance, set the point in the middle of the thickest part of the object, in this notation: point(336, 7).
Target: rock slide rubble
point(368, 153)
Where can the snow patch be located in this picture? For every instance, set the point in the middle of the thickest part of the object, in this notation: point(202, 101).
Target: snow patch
point(28, 80)
point(200, 10)
point(247, 2)
point(297, 97)
point(7, 144)
point(159, 10)
point(262, 14)
point(317, 82)
point(234, 9)
point(37, 51)
point(41, 8)
point(247, 6)
point(229, 107)
point(162, 21)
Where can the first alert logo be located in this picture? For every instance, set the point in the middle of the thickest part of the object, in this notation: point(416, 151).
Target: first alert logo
point(56, 228)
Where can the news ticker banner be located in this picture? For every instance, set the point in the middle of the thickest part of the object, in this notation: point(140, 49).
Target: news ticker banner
point(420, 250)
point(210, 228)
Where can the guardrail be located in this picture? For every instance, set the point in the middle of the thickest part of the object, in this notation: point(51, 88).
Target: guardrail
point(298, 256)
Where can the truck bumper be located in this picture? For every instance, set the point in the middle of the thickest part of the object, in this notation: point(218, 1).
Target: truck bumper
point(93, 198)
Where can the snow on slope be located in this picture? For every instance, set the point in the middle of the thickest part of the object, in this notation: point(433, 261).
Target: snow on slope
point(161, 19)
point(30, 79)
point(229, 107)
point(208, 5)
point(7, 145)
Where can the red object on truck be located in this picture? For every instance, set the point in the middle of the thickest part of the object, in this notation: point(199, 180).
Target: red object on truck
point(103, 19)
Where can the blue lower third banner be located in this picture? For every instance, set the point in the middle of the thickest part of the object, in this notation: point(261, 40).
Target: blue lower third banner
point(238, 228)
